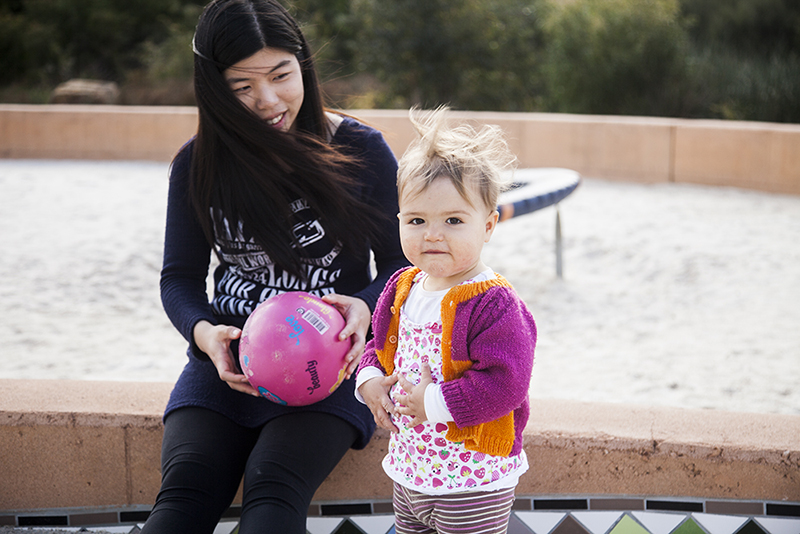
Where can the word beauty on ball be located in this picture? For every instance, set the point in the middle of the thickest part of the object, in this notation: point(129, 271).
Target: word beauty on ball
point(290, 349)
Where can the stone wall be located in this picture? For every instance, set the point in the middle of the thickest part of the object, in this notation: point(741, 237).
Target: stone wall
point(85, 444)
point(762, 156)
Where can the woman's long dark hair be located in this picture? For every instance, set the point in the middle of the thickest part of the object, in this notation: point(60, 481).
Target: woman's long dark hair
point(244, 169)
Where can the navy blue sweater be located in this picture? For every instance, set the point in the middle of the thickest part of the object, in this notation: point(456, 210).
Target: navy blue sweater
point(246, 276)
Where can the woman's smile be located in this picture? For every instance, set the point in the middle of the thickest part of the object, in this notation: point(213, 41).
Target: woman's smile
point(270, 84)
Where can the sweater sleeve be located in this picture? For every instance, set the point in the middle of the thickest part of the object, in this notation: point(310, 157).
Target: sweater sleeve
point(187, 256)
point(378, 174)
point(498, 334)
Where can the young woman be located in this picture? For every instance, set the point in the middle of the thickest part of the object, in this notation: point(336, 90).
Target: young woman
point(289, 197)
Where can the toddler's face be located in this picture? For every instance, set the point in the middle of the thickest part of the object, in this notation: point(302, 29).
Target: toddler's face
point(443, 234)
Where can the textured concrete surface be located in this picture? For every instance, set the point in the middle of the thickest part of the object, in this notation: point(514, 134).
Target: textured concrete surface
point(81, 444)
point(763, 156)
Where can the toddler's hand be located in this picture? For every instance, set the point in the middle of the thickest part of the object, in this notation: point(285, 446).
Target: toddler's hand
point(375, 392)
point(412, 403)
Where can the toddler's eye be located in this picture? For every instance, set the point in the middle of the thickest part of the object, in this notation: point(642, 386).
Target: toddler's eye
point(416, 221)
point(453, 220)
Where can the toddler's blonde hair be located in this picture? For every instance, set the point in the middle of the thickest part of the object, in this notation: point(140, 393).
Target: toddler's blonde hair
point(471, 158)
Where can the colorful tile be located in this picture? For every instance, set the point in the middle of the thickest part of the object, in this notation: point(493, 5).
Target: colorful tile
point(376, 524)
point(627, 525)
point(522, 504)
point(347, 527)
point(779, 525)
point(560, 504)
point(346, 509)
point(43, 521)
point(689, 526)
point(597, 522)
point(751, 527)
point(516, 526)
point(226, 527)
point(102, 518)
point(734, 508)
point(659, 522)
point(322, 525)
point(541, 522)
point(675, 506)
point(570, 526)
point(382, 508)
point(784, 509)
point(623, 505)
point(720, 524)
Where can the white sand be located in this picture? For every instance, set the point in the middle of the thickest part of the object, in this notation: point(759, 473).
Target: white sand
point(674, 295)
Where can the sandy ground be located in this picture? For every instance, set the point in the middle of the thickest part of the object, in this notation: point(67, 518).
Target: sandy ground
point(674, 295)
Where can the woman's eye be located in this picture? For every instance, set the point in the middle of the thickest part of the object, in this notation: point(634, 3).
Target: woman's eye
point(241, 89)
point(280, 77)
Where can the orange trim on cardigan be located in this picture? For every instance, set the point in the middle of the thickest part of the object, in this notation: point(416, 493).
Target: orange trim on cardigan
point(495, 437)
point(403, 287)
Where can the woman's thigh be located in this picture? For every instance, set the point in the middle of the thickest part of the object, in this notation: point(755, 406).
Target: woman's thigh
point(203, 456)
point(292, 457)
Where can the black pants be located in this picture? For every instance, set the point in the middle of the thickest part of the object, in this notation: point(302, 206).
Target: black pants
point(204, 455)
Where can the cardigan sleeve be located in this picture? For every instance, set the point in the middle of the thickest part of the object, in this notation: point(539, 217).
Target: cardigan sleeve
point(498, 334)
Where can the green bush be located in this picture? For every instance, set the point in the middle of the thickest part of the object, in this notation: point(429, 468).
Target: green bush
point(767, 27)
point(727, 84)
point(616, 57)
point(62, 39)
point(471, 54)
point(733, 59)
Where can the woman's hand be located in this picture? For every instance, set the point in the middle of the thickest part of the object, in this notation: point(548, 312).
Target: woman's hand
point(375, 392)
point(215, 341)
point(412, 403)
point(357, 317)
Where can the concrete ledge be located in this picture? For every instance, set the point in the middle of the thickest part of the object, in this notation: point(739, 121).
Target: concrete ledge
point(72, 444)
point(764, 156)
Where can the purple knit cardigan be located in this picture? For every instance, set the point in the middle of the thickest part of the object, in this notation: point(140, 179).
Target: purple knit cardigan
point(496, 332)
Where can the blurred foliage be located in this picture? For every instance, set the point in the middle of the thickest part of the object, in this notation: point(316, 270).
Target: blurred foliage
point(616, 57)
point(767, 27)
point(43, 42)
point(745, 61)
point(332, 28)
point(730, 84)
point(472, 54)
point(734, 59)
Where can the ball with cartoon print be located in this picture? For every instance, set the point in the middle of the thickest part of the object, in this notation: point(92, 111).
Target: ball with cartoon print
point(290, 349)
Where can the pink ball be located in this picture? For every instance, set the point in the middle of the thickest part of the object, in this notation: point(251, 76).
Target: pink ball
point(290, 349)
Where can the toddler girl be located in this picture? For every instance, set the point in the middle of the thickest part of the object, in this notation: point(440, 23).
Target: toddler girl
point(449, 366)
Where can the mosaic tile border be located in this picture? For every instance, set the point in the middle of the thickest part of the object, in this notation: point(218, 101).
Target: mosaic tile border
point(530, 515)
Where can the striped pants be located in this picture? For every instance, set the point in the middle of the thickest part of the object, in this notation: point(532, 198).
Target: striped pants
point(485, 512)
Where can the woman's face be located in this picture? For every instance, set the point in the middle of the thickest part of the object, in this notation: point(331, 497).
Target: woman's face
point(270, 84)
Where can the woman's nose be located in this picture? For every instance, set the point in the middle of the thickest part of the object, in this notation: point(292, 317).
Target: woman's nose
point(266, 98)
